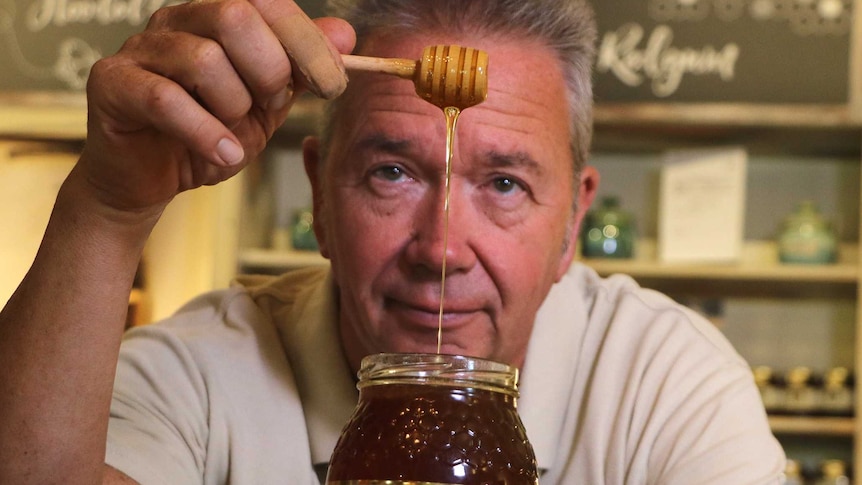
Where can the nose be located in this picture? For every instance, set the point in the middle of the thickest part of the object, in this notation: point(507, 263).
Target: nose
point(432, 237)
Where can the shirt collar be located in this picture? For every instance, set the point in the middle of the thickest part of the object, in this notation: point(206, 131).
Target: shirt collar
point(550, 367)
point(324, 378)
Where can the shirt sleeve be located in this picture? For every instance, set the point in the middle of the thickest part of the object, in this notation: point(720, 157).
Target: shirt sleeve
point(719, 436)
point(157, 431)
point(713, 429)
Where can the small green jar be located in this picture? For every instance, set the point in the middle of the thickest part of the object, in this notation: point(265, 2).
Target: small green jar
point(608, 231)
point(302, 231)
point(806, 238)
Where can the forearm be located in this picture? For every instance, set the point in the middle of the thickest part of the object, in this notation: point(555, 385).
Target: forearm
point(59, 340)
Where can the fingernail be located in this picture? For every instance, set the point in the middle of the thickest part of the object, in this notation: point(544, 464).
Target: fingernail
point(229, 151)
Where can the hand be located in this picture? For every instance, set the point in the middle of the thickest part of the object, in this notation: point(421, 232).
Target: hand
point(195, 97)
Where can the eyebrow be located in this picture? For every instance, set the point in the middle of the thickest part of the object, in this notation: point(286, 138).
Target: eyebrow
point(381, 142)
point(515, 159)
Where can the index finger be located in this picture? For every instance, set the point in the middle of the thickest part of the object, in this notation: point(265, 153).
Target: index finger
point(316, 58)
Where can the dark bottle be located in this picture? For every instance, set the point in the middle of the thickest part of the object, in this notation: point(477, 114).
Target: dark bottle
point(430, 418)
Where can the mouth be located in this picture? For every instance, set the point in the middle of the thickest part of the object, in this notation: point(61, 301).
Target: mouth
point(426, 315)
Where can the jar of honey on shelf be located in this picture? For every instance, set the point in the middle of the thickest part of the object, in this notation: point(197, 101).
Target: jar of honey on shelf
point(833, 472)
point(772, 396)
point(793, 473)
point(837, 394)
point(800, 396)
point(434, 419)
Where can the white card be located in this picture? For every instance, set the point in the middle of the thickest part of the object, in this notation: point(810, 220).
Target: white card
point(702, 205)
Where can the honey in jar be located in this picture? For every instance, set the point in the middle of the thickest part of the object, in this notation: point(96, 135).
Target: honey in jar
point(434, 419)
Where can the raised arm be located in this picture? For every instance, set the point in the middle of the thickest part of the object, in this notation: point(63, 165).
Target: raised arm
point(188, 102)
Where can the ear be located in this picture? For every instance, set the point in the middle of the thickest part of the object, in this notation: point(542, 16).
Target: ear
point(589, 184)
point(313, 169)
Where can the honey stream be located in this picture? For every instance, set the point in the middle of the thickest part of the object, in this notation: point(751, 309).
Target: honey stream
point(451, 114)
point(453, 78)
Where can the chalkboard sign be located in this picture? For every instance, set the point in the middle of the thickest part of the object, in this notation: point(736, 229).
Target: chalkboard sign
point(758, 51)
point(763, 51)
point(50, 45)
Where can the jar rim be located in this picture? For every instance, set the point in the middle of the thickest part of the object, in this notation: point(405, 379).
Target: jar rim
point(440, 369)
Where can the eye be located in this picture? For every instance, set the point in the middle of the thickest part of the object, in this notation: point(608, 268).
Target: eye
point(506, 185)
point(391, 173)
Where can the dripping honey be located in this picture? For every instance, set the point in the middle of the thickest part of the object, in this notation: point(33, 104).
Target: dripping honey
point(452, 114)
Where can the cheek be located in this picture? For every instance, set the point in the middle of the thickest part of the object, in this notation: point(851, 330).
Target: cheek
point(531, 261)
point(363, 239)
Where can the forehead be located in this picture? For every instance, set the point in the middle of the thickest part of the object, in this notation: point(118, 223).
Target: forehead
point(526, 108)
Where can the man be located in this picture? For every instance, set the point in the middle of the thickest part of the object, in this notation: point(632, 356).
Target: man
point(252, 384)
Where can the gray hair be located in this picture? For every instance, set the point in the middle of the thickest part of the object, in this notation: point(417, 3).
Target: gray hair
point(566, 26)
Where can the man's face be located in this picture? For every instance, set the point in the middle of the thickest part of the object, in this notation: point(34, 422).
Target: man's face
point(381, 208)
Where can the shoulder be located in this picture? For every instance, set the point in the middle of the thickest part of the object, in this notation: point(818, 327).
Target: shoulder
point(226, 317)
point(283, 289)
point(616, 306)
point(612, 329)
point(652, 386)
point(194, 392)
point(227, 337)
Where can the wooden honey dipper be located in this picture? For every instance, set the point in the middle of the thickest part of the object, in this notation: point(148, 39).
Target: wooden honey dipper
point(446, 75)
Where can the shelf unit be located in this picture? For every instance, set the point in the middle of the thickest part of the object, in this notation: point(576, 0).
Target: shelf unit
point(796, 130)
point(813, 426)
point(758, 262)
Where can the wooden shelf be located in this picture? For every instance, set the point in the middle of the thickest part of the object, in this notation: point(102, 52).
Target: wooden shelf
point(139, 308)
point(758, 273)
point(759, 261)
point(136, 297)
point(64, 116)
point(715, 114)
point(743, 115)
point(55, 116)
point(813, 426)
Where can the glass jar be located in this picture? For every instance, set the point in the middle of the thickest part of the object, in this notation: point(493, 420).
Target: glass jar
point(801, 395)
point(608, 231)
point(793, 473)
point(772, 395)
point(837, 395)
point(806, 238)
point(434, 419)
point(833, 472)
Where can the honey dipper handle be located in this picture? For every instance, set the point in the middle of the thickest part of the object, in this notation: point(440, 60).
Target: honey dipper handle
point(404, 68)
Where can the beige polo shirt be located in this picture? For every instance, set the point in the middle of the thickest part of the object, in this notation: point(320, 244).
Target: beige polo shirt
point(621, 386)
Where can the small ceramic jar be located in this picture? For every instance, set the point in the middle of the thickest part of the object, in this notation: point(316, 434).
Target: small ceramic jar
point(806, 238)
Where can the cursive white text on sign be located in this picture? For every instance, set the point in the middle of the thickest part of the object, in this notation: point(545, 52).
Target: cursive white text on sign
point(57, 13)
point(622, 54)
